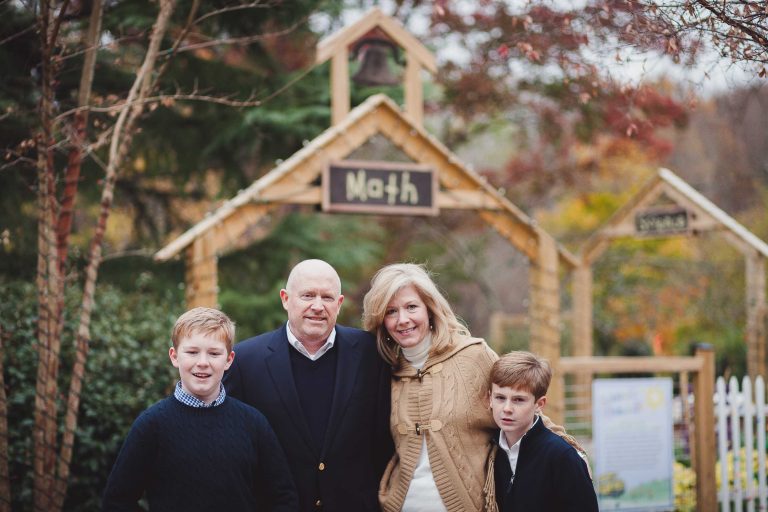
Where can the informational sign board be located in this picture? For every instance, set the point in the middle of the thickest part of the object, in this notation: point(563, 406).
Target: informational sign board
point(661, 221)
point(379, 187)
point(633, 450)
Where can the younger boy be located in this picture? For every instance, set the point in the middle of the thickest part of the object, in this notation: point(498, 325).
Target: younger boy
point(533, 468)
point(199, 449)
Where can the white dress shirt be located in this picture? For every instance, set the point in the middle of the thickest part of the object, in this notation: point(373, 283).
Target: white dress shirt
point(512, 451)
point(295, 343)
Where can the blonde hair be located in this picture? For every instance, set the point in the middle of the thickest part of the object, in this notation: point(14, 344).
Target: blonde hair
point(524, 371)
point(206, 321)
point(446, 328)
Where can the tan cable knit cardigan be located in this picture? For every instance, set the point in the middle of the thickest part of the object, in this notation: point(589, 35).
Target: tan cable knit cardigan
point(446, 402)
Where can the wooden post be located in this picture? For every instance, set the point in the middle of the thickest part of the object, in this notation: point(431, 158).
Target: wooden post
point(545, 319)
point(339, 86)
point(704, 431)
point(582, 328)
point(582, 310)
point(414, 95)
point(202, 273)
point(756, 311)
point(684, 394)
point(496, 337)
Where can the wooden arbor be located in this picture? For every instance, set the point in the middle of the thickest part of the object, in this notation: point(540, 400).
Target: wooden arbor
point(301, 179)
point(685, 212)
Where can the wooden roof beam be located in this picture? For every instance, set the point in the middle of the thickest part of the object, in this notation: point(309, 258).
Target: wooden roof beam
point(345, 37)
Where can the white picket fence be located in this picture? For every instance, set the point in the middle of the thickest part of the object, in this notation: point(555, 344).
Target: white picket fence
point(741, 419)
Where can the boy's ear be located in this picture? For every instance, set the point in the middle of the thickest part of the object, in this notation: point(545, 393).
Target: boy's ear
point(540, 403)
point(174, 356)
point(230, 358)
point(488, 398)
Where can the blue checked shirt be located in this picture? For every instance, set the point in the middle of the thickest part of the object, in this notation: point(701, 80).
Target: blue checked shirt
point(187, 399)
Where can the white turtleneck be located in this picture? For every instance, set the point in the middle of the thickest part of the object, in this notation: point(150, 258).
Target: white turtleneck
point(422, 492)
point(417, 354)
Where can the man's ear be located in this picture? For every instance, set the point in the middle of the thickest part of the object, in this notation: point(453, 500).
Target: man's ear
point(284, 298)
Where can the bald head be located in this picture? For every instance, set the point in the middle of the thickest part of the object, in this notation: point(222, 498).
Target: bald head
point(312, 298)
point(315, 269)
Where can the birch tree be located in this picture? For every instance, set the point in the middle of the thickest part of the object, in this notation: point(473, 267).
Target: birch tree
point(51, 456)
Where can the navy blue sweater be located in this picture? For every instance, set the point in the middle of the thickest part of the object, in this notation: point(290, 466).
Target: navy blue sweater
point(550, 476)
point(315, 381)
point(186, 458)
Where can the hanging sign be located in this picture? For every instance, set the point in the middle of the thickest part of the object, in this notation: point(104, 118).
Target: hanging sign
point(379, 187)
point(661, 221)
point(632, 438)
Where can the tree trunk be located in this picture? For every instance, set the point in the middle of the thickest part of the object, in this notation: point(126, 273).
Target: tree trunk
point(63, 231)
point(77, 135)
point(44, 431)
point(5, 482)
point(121, 141)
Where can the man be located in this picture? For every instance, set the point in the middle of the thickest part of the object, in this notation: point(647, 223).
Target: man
point(324, 390)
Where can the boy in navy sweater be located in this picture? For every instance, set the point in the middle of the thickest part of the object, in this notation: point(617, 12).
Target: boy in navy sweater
point(199, 449)
point(532, 468)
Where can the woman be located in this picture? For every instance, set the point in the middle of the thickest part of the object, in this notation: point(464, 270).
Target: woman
point(440, 421)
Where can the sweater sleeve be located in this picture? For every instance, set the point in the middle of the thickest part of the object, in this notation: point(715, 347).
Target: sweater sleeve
point(273, 479)
point(383, 446)
point(575, 484)
point(128, 480)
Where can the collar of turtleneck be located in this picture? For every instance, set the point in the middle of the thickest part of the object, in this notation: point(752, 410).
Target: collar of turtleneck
point(417, 354)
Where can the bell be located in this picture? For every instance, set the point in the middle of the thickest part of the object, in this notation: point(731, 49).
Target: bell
point(374, 70)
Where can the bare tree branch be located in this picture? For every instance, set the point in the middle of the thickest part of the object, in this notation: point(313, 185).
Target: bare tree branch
point(755, 37)
point(121, 141)
point(245, 40)
point(18, 34)
point(223, 10)
point(193, 96)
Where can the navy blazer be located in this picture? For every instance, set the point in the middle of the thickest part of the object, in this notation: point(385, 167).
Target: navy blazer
point(345, 474)
point(551, 476)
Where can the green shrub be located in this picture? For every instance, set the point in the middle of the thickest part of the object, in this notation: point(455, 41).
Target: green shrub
point(127, 370)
